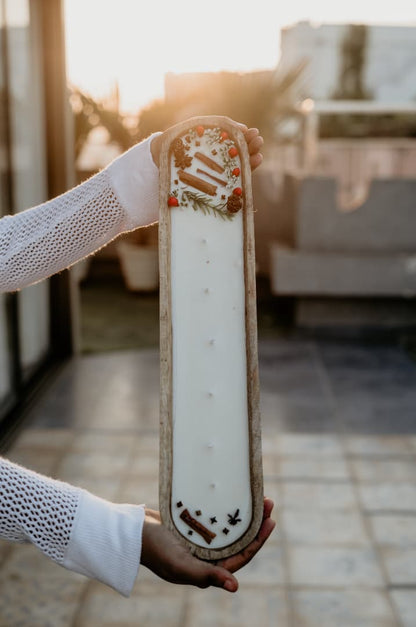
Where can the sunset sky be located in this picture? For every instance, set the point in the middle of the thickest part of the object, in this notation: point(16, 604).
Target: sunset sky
point(136, 42)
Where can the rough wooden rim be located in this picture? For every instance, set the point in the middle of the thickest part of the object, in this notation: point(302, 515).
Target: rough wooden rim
point(254, 425)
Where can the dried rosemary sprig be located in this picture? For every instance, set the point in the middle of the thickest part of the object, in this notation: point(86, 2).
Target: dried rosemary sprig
point(201, 203)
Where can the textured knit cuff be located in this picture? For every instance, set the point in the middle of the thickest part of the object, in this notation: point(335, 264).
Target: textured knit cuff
point(135, 180)
point(106, 542)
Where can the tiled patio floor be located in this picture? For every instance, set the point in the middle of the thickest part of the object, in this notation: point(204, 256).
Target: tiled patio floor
point(339, 443)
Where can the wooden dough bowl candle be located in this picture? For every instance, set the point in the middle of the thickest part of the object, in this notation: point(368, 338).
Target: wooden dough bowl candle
point(211, 485)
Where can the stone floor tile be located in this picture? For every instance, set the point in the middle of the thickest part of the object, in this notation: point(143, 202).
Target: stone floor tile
point(38, 602)
point(103, 442)
point(279, 353)
point(313, 468)
point(324, 527)
point(358, 356)
point(321, 445)
point(140, 491)
point(405, 603)
point(295, 415)
point(266, 569)
point(44, 461)
point(44, 439)
point(107, 488)
point(388, 496)
point(36, 592)
point(5, 548)
point(91, 465)
point(293, 382)
point(144, 464)
point(272, 490)
point(393, 530)
point(269, 444)
point(384, 470)
point(333, 566)
point(341, 608)
point(270, 464)
point(319, 496)
point(98, 403)
point(384, 382)
point(400, 565)
point(371, 415)
point(151, 604)
point(378, 445)
point(146, 443)
point(246, 608)
point(28, 560)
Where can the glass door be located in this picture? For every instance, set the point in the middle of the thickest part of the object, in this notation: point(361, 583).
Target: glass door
point(25, 336)
point(28, 164)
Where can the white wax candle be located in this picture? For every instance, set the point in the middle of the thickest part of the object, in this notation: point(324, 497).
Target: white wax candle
point(211, 464)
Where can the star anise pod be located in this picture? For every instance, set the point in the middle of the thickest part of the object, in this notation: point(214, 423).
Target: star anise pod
point(182, 161)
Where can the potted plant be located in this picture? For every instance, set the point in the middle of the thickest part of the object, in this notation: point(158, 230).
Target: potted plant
point(139, 259)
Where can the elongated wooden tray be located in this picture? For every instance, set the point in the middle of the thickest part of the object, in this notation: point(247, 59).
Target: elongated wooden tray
point(211, 482)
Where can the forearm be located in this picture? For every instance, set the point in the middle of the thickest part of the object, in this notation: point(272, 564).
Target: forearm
point(74, 528)
point(43, 240)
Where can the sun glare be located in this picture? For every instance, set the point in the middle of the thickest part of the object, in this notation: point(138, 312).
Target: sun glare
point(135, 43)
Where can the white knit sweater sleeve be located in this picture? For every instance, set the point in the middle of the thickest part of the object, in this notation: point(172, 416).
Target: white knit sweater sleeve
point(81, 532)
point(77, 530)
point(46, 239)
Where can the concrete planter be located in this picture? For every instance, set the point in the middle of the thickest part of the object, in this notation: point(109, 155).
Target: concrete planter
point(139, 265)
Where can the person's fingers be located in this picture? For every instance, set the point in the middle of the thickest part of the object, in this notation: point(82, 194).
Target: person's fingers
point(256, 160)
point(254, 143)
point(253, 138)
point(243, 127)
point(235, 562)
point(222, 578)
point(202, 574)
point(267, 507)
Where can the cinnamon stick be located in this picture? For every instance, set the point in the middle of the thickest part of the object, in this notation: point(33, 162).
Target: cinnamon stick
point(197, 526)
point(196, 182)
point(214, 178)
point(209, 162)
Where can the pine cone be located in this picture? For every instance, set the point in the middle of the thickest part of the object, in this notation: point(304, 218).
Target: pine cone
point(177, 145)
point(234, 204)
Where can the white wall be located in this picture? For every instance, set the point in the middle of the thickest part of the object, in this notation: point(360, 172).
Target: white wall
point(390, 70)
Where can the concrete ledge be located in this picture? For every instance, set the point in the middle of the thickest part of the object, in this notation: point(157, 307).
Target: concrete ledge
point(300, 273)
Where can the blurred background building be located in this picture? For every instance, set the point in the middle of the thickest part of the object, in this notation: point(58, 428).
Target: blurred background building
point(339, 119)
point(387, 55)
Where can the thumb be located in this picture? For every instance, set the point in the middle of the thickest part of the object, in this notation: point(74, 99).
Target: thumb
point(222, 578)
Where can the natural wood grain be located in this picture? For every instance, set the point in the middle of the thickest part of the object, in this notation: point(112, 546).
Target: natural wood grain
point(166, 392)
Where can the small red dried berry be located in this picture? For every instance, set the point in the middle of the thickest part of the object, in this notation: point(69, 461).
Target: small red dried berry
point(200, 130)
point(224, 135)
point(233, 152)
point(237, 191)
point(236, 172)
point(173, 201)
